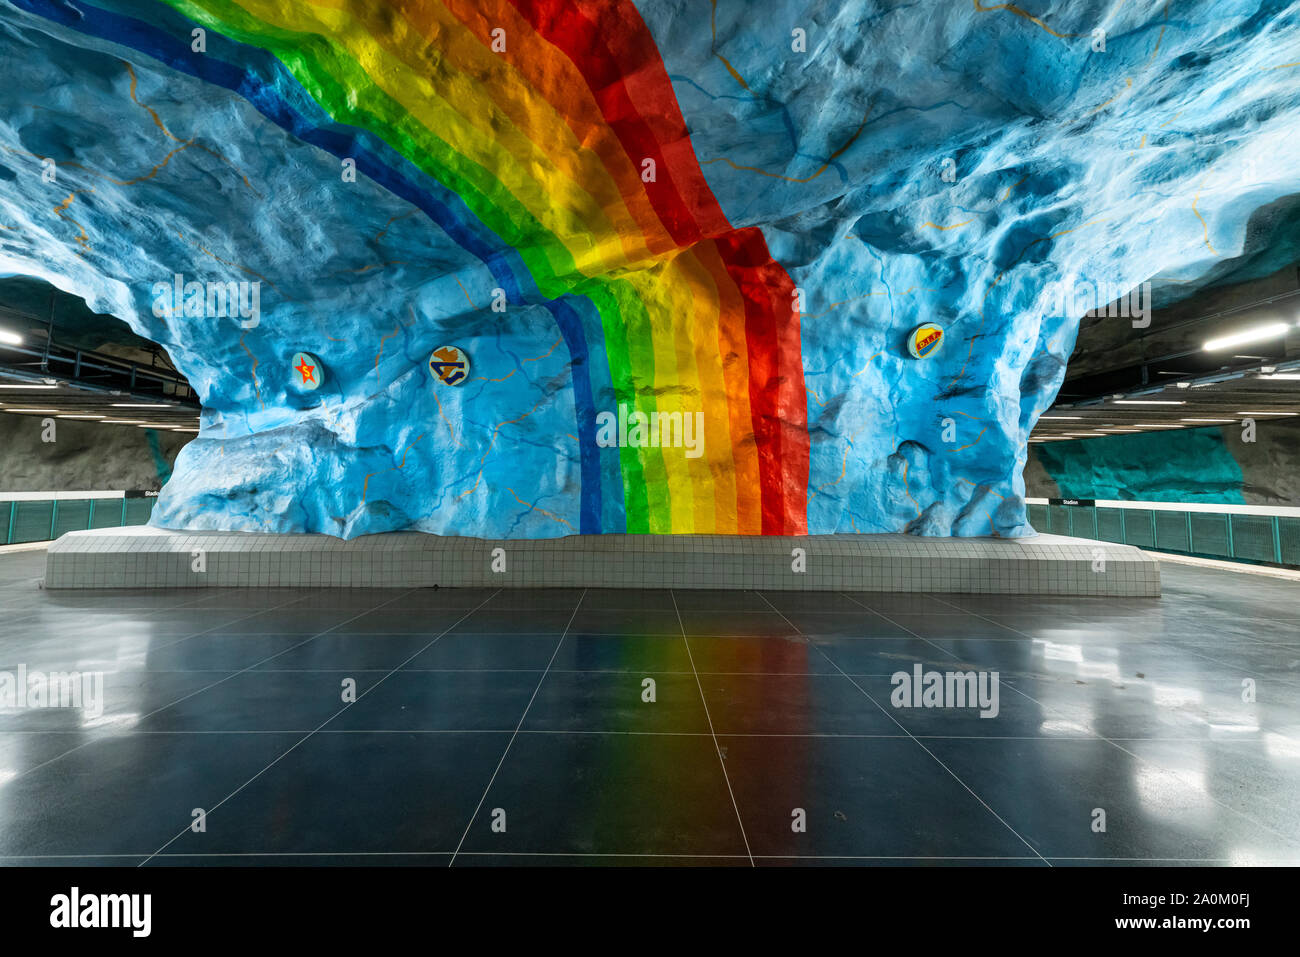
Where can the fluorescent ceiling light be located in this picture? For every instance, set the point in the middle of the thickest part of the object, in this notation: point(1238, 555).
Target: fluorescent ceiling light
point(31, 410)
point(1072, 418)
point(1156, 425)
point(1209, 420)
point(1264, 413)
point(1280, 375)
point(122, 421)
point(78, 415)
point(184, 430)
point(139, 405)
point(1150, 402)
point(28, 386)
point(1120, 430)
point(1269, 331)
point(10, 338)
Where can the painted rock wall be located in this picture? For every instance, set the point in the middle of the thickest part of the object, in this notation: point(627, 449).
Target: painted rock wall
point(671, 221)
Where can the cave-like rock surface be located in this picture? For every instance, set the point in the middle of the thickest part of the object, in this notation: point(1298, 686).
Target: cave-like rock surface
point(733, 212)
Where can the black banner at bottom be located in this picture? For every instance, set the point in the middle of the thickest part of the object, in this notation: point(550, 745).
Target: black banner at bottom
point(336, 905)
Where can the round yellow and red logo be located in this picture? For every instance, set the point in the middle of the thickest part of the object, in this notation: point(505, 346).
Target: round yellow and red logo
point(924, 340)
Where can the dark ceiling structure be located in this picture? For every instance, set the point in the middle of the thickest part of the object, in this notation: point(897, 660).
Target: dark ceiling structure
point(69, 363)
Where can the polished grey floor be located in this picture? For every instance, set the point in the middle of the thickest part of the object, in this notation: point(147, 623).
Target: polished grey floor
point(513, 727)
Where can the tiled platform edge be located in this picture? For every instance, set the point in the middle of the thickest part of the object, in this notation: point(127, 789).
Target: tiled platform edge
point(146, 557)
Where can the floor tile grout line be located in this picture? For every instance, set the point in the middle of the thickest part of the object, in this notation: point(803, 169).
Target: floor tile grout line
point(941, 764)
point(904, 627)
point(1226, 742)
point(510, 743)
point(1137, 757)
point(1142, 641)
point(975, 614)
point(262, 661)
point(709, 718)
point(918, 743)
point(1019, 674)
point(309, 734)
point(1247, 671)
point(636, 854)
point(1149, 640)
point(1103, 628)
point(199, 634)
point(158, 611)
point(100, 737)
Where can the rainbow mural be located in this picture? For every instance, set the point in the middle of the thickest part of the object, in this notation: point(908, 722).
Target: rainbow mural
point(631, 209)
point(547, 140)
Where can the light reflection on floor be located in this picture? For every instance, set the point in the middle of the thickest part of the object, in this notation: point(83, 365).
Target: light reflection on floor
point(1178, 717)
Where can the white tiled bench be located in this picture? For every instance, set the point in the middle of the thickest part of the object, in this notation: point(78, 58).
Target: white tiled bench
point(146, 557)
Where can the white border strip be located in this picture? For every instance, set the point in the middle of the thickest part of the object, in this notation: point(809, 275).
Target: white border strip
point(1246, 568)
point(55, 496)
point(1282, 511)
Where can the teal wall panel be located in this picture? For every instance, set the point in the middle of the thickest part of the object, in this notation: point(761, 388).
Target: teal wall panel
point(1183, 465)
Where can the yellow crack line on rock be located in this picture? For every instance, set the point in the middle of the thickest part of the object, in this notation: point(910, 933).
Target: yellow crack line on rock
point(491, 444)
point(1128, 85)
point(868, 363)
point(82, 239)
point(907, 465)
point(844, 466)
point(1012, 8)
point(257, 386)
point(479, 378)
point(392, 219)
point(442, 415)
point(821, 169)
point(978, 487)
point(162, 126)
point(380, 353)
point(866, 295)
point(548, 353)
point(989, 291)
point(540, 511)
point(945, 228)
point(225, 262)
point(1204, 225)
point(713, 44)
point(365, 487)
point(465, 291)
point(972, 444)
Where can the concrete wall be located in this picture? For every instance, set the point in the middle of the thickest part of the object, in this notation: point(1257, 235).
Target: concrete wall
point(84, 456)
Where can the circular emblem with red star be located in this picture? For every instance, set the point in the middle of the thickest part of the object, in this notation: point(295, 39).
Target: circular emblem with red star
point(306, 373)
